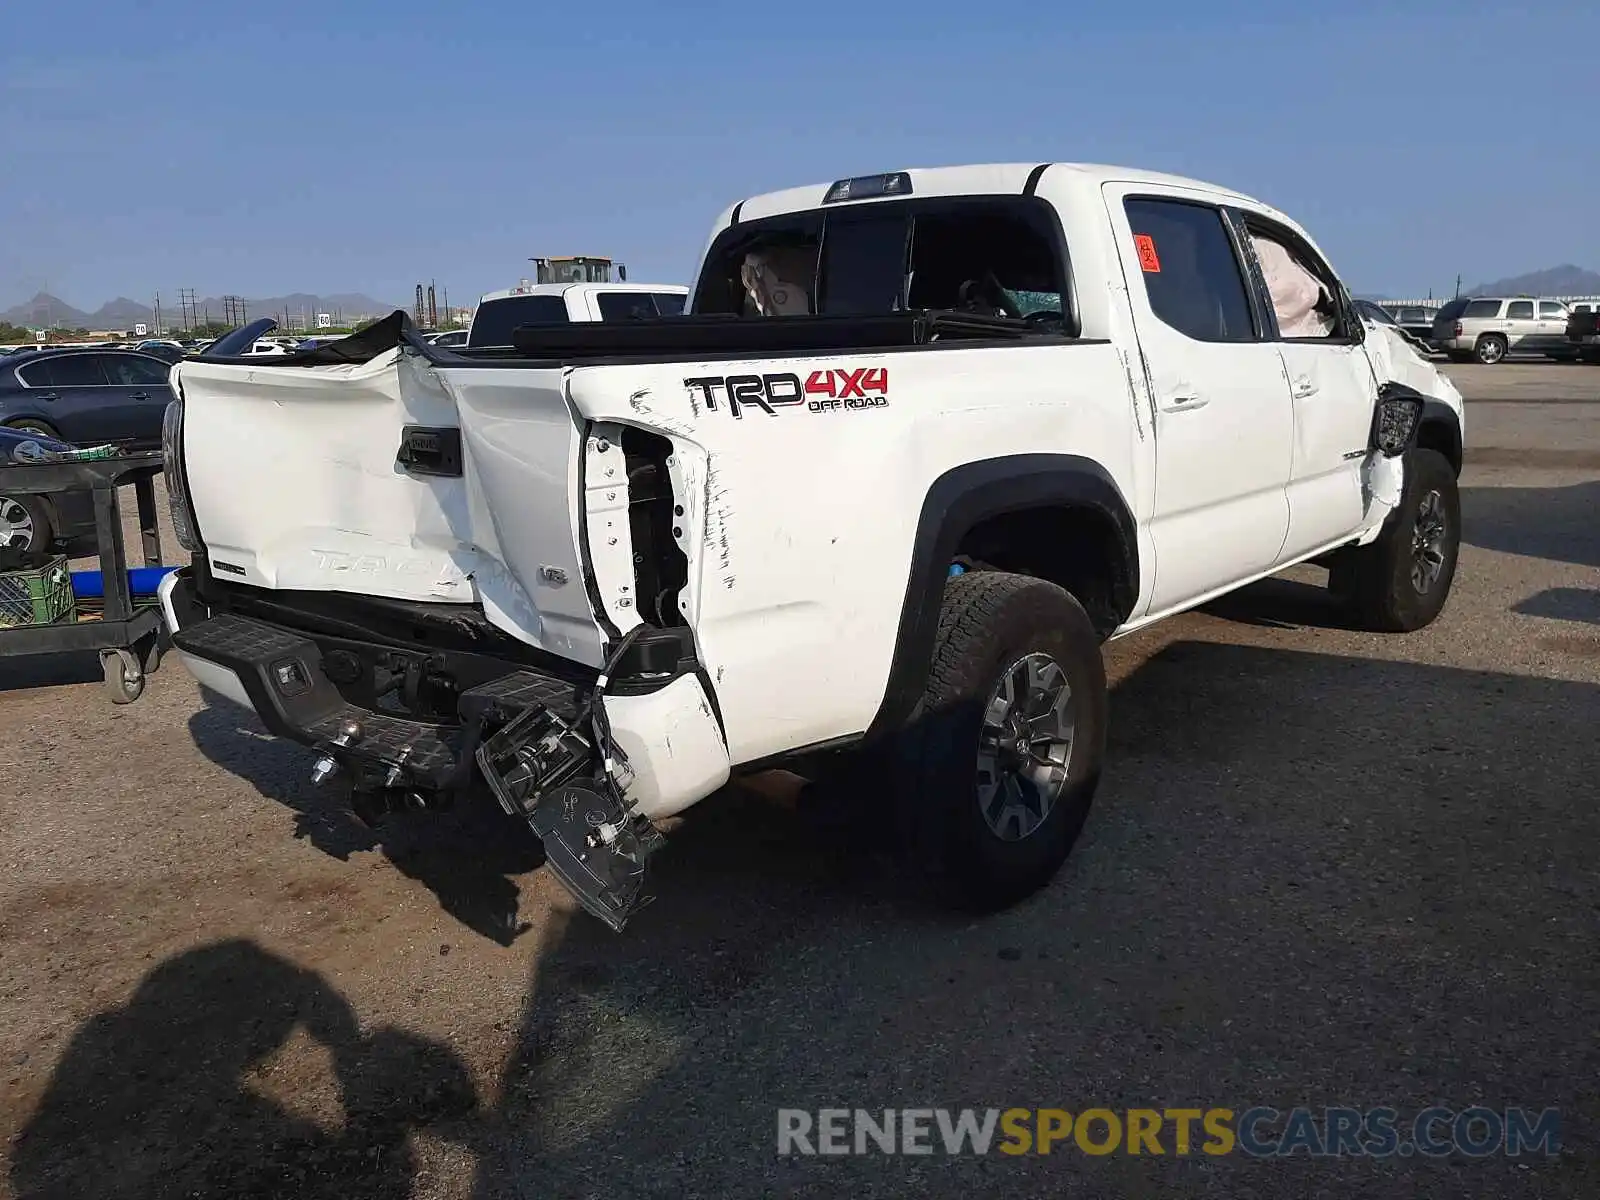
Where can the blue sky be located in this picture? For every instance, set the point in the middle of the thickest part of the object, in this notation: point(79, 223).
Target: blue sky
point(361, 146)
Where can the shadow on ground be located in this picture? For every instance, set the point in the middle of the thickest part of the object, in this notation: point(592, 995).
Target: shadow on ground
point(467, 857)
point(169, 1094)
point(48, 670)
point(1307, 880)
point(1555, 523)
point(1563, 604)
point(1277, 603)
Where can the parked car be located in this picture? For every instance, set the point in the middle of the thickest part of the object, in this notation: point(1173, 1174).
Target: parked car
point(499, 313)
point(604, 573)
point(450, 337)
point(1414, 319)
point(1491, 327)
point(166, 351)
point(1379, 315)
point(32, 527)
point(88, 397)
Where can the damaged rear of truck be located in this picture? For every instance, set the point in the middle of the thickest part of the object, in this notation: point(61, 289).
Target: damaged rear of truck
point(599, 576)
point(429, 573)
point(608, 567)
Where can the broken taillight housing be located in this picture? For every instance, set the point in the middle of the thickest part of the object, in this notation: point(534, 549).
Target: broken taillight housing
point(183, 521)
point(1458, 329)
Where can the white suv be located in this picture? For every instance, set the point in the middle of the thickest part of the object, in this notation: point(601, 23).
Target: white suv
point(1491, 327)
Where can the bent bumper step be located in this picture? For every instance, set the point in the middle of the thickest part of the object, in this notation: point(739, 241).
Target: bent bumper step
point(281, 672)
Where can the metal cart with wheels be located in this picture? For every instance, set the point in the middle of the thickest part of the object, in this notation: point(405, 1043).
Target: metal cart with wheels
point(128, 639)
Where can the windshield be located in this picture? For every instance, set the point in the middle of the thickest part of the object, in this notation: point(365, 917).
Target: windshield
point(496, 319)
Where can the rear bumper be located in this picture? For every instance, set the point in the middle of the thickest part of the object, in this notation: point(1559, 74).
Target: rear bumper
point(671, 737)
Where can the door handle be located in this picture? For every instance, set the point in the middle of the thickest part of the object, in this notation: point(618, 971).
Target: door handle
point(48, 396)
point(1184, 402)
point(141, 395)
point(1303, 387)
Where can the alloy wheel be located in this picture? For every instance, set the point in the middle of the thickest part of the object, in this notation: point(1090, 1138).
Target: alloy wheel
point(1025, 746)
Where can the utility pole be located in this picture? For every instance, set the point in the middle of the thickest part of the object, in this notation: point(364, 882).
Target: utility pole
point(158, 330)
point(1458, 287)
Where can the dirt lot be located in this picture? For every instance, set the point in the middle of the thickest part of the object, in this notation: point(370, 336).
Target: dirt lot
point(1324, 868)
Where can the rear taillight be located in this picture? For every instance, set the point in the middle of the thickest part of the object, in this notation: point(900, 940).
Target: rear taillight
point(1458, 329)
point(183, 522)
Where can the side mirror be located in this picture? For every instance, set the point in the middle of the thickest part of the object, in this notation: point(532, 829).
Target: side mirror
point(1395, 421)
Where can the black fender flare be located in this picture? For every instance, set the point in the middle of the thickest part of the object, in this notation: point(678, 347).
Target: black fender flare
point(955, 503)
point(1440, 420)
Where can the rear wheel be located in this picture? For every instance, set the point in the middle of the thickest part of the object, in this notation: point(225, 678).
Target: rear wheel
point(35, 426)
point(1491, 348)
point(26, 533)
point(994, 775)
point(1401, 581)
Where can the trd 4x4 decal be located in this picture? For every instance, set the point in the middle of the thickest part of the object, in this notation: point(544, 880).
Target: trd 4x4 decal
point(831, 390)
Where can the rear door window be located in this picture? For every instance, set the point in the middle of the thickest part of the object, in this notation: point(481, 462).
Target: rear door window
point(669, 304)
point(1190, 271)
point(495, 320)
point(71, 370)
point(1520, 310)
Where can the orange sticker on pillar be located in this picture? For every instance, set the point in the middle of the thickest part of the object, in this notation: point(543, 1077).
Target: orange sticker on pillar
point(1149, 261)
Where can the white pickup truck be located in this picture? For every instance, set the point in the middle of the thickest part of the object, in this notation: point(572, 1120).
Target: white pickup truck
point(922, 442)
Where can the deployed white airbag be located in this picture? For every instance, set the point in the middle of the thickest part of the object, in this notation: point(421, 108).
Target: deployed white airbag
point(1295, 291)
point(770, 280)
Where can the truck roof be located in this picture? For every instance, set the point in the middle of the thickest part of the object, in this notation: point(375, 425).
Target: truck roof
point(991, 178)
point(560, 289)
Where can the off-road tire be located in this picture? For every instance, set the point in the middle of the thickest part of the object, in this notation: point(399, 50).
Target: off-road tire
point(1376, 580)
point(988, 621)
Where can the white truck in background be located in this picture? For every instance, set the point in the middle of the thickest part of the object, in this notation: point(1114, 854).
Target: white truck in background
point(921, 444)
point(499, 313)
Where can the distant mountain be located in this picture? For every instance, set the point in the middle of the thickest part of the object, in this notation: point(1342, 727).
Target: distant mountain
point(46, 311)
point(43, 311)
point(1556, 281)
point(120, 313)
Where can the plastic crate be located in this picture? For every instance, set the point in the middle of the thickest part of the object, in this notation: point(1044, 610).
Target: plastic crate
point(42, 596)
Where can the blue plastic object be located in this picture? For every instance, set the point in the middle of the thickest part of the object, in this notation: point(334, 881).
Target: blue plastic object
point(142, 581)
point(957, 569)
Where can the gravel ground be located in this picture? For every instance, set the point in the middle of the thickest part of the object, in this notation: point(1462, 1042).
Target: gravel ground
point(1323, 868)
